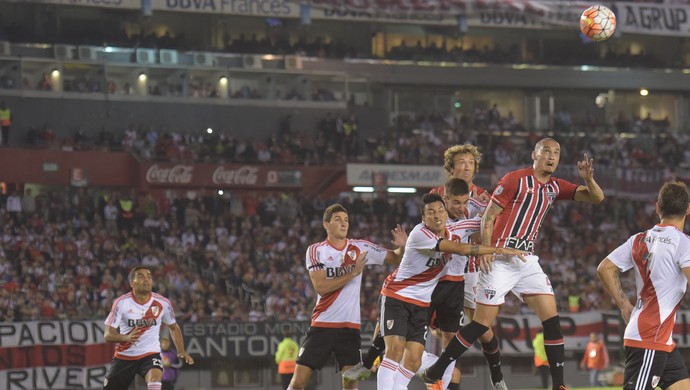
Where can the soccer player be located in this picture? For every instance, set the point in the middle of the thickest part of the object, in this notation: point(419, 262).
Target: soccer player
point(661, 259)
point(512, 220)
point(406, 293)
point(446, 306)
point(335, 268)
point(139, 315)
point(462, 162)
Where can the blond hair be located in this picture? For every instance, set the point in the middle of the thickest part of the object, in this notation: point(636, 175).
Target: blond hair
point(455, 150)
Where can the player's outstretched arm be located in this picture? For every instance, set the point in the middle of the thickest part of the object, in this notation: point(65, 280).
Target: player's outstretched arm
point(609, 274)
point(591, 192)
point(324, 284)
point(176, 335)
point(476, 249)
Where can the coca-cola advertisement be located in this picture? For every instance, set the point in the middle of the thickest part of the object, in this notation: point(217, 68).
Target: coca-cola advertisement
point(218, 176)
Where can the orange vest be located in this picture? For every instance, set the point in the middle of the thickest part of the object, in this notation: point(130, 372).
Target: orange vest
point(595, 356)
point(286, 367)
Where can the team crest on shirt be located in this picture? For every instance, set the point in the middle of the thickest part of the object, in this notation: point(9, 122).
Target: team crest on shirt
point(551, 195)
point(389, 324)
point(155, 310)
point(655, 381)
point(498, 190)
point(352, 254)
point(489, 293)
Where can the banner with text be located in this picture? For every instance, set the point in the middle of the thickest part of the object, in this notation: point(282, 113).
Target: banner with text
point(515, 332)
point(424, 176)
point(53, 355)
point(639, 18)
point(219, 176)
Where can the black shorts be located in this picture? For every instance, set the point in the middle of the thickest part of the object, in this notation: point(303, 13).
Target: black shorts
point(122, 372)
point(647, 368)
point(320, 343)
point(404, 319)
point(447, 306)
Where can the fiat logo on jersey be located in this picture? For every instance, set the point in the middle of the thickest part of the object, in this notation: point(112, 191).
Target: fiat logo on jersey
point(489, 293)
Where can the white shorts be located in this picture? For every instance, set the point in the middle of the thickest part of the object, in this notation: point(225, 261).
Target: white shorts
point(510, 274)
point(471, 280)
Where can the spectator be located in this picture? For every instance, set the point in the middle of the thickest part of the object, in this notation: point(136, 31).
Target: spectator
point(595, 359)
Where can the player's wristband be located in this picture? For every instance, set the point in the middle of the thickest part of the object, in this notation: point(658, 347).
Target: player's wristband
point(438, 243)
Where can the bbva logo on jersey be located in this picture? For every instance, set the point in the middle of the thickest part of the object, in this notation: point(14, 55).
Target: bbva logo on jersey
point(142, 322)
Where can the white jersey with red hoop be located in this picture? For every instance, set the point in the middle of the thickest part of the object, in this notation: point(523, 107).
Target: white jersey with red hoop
point(658, 257)
point(420, 269)
point(460, 231)
point(340, 308)
point(525, 202)
point(128, 313)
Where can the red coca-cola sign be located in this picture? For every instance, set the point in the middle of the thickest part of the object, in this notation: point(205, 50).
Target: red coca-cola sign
point(177, 174)
point(243, 175)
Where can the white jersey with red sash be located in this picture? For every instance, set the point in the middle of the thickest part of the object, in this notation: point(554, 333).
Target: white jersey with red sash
point(420, 269)
point(658, 257)
point(128, 313)
point(340, 308)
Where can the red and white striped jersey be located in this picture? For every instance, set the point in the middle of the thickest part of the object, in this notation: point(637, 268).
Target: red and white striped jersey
point(340, 308)
point(127, 313)
point(525, 202)
point(460, 231)
point(658, 257)
point(420, 269)
point(474, 206)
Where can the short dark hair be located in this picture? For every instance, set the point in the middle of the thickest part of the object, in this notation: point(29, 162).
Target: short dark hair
point(431, 198)
point(673, 200)
point(456, 187)
point(134, 270)
point(332, 209)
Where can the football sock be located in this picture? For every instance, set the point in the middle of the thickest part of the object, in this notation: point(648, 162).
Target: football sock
point(376, 349)
point(457, 346)
point(154, 386)
point(402, 378)
point(386, 374)
point(555, 350)
point(493, 357)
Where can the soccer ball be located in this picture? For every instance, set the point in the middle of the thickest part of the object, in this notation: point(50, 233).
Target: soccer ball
point(598, 23)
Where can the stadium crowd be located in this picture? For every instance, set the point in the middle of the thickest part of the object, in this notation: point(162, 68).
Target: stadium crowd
point(420, 139)
point(65, 253)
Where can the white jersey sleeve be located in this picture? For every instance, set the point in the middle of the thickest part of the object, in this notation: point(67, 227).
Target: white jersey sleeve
point(375, 254)
point(622, 256)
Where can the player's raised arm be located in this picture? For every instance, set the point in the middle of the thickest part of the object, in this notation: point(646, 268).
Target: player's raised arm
point(399, 240)
point(590, 192)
